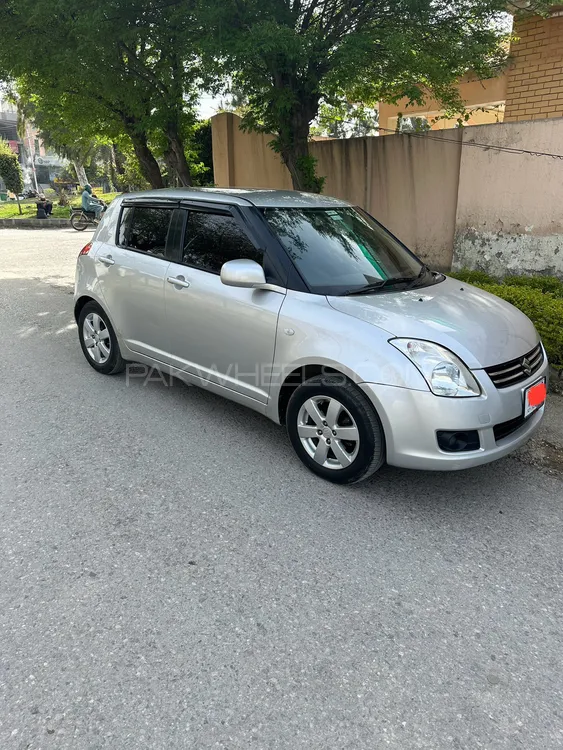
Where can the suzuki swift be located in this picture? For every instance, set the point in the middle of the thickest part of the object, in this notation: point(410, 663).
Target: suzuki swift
point(307, 310)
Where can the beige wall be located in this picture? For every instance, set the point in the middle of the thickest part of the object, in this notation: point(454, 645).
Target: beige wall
point(510, 206)
point(409, 184)
point(476, 207)
point(244, 159)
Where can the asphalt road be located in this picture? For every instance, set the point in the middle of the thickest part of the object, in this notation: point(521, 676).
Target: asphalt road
point(173, 579)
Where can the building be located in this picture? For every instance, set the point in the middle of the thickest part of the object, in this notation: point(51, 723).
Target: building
point(530, 89)
point(535, 78)
point(485, 102)
point(39, 164)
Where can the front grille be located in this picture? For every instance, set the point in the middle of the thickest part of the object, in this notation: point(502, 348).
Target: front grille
point(504, 429)
point(517, 370)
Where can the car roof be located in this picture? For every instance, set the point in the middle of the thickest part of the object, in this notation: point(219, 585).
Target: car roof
point(243, 197)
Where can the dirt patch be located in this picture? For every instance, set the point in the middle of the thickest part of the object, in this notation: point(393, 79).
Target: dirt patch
point(543, 454)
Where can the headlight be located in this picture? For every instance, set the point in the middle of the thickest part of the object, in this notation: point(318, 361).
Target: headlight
point(445, 373)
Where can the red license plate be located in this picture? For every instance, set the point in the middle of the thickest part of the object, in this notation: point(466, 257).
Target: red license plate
point(534, 397)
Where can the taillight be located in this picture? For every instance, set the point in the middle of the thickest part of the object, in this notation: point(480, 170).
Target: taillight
point(85, 250)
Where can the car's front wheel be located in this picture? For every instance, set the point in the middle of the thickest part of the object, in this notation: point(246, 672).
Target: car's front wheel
point(335, 430)
point(98, 340)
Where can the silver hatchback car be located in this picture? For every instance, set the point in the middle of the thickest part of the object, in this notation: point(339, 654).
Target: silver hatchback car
point(307, 310)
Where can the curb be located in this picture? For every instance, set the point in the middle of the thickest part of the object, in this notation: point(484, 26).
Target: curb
point(34, 223)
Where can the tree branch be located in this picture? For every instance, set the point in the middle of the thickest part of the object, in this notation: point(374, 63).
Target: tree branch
point(308, 14)
point(141, 71)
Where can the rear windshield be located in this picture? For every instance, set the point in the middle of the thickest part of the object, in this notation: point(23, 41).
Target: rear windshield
point(340, 249)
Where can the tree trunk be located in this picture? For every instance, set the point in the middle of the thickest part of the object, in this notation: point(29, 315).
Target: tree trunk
point(113, 175)
point(113, 170)
point(148, 164)
point(293, 144)
point(118, 160)
point(117, 167)
point(80, 173)
point(295, 156)
point(170, 159)
point(19, 204)
point(178, 155)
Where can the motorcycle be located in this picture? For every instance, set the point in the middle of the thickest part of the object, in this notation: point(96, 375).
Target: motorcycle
point(80, 219)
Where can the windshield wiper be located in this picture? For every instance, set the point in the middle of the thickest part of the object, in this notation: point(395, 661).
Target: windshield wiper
point(369, 288)
point(423, 271)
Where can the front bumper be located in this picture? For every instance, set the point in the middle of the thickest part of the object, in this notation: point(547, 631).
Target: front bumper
point(412, 418)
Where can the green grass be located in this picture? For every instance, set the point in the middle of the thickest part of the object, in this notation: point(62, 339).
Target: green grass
point(9, 209)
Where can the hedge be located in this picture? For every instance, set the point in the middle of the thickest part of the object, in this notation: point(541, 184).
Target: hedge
point(538, 297)
point(10, 169)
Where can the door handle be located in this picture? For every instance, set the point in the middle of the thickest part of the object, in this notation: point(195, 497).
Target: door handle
point(107, 260)
point(178, 281)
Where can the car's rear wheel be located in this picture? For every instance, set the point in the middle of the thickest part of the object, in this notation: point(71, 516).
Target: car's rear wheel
point(98, 340)
point(335, 430)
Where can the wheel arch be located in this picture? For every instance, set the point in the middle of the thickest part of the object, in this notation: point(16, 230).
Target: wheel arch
point(83, 300)
point(298, 376)
point(80, 303)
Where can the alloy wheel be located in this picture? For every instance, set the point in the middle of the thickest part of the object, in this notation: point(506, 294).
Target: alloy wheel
point(96, 338)
point(328, 432)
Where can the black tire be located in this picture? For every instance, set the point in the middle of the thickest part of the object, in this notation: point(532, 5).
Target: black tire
point(78, 222)
point(371, 450)
point(115, 363)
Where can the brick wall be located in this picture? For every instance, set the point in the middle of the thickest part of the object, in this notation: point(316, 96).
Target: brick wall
point(535, 80)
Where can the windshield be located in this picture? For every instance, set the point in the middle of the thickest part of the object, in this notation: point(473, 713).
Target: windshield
point(339, 250)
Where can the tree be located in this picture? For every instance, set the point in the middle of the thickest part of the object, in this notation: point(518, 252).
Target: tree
point(11, 171)
point(129, 65)
point(291, 55)
point(345, 120)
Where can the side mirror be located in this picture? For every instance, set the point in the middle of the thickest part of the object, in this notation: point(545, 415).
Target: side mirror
point(242, 273)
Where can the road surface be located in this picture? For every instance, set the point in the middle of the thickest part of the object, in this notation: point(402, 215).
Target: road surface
point(173, 579)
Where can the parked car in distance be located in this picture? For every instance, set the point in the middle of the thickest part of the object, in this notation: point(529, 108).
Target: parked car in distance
point(307, 310)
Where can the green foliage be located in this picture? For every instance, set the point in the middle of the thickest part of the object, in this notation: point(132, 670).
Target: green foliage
point(202, 154)
point(10, 169)
point(538, 297)
point(412, 124)
point(307, 168)
point(124, 67)
point(343, 120)
point(67, 175)
point(473, 277)
point(545, 284)
point(133, 177)
point(9, 210)
point(286, 57)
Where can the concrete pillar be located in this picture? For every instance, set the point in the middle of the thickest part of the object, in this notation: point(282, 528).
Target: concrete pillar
point(222, 136)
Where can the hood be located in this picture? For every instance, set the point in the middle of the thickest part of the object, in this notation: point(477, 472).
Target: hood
point(482, 329)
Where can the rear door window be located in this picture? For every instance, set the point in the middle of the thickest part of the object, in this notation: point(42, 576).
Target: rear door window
point(212, 239)
point(145, 229)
